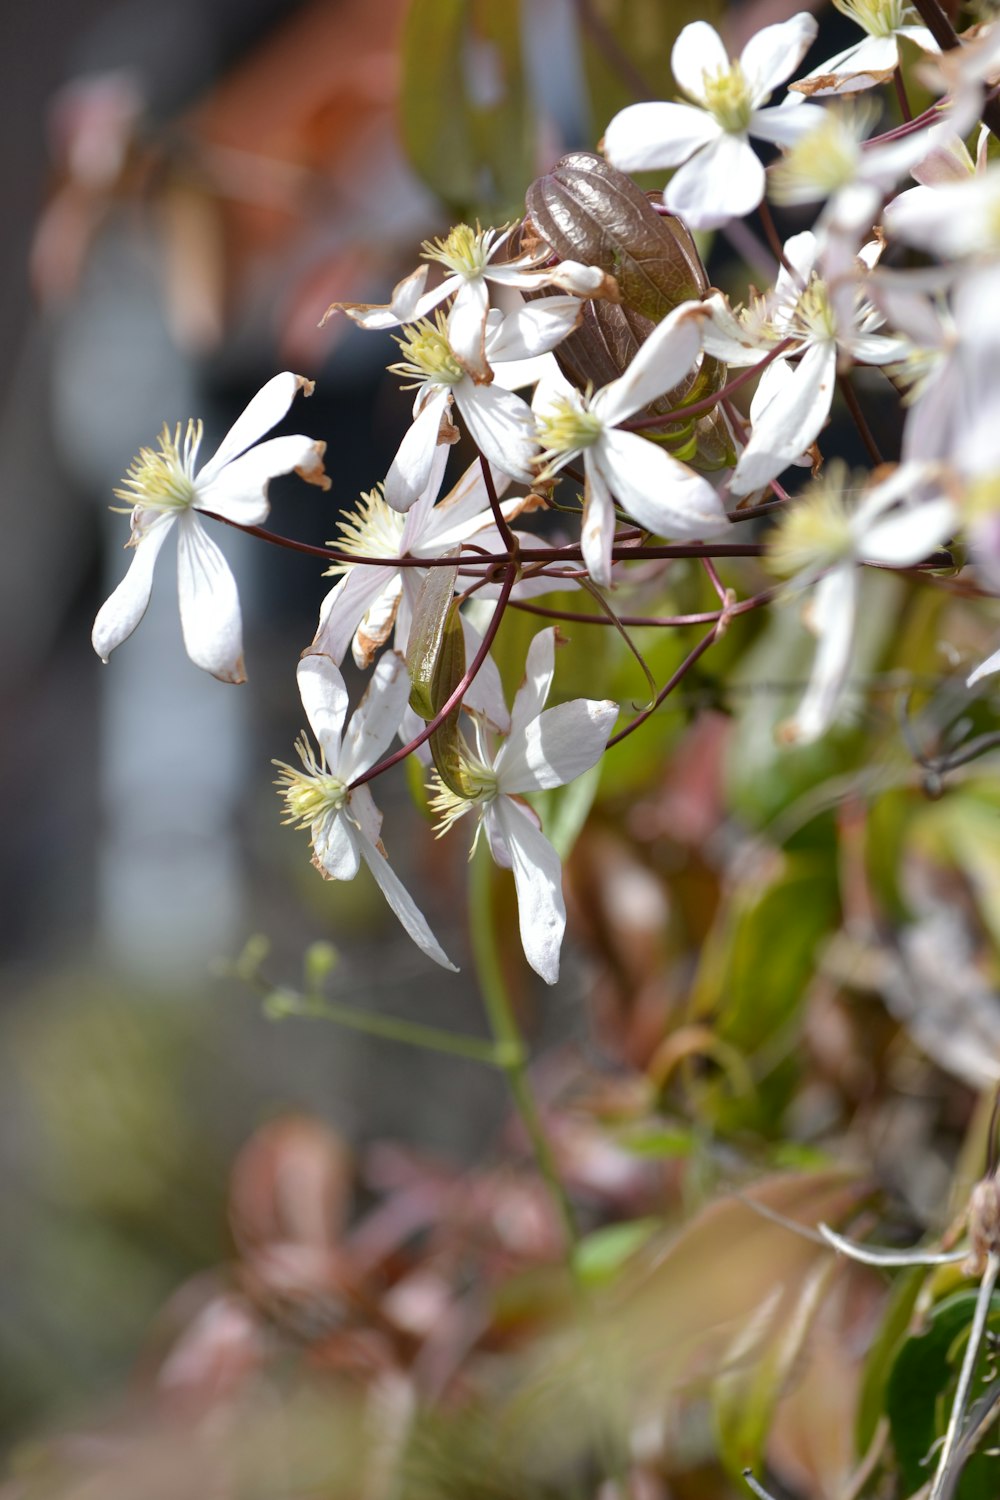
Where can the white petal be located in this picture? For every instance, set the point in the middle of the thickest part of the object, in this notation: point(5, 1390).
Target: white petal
point(374, 630)
point(655, 488)
point(783, 127)
point(485, 695)
point(541, 910)
point(501, 426)
point(789, 423)
point(405, 305)
point(774, 52)
point(642, 137)
point(530, 698)
point(422, 508)
point(376, 718)
point(534, 329)
point(345, 606)
point(833, 610)
point(413, 465)
point(265, 410)
point(723, 335)
point(907, 536)
point(239, 490)
point(467, 326)
point(985, 669)
point(556, 746)
point(667, 355)
point(335, 846)
point(209, 603)
point(723, 181)
point(597, 533)
point(403, 904)
point(698, 50)
point(121, 612)
point(324, 698)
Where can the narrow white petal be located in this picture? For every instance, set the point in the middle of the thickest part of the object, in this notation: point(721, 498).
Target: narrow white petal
point(655, 488)
point(346, 605)
point(121, 612)
point(833, 610)
point(773, 53)
point(467, 327)
point(597, 533)
point(374, 630)
point(209, 603)
point(541, 910)
point(413, 464)
point(265, 410)
point(239, 490)
point(324, 698)
point(783, 127)
point(907, 536)
point(501, 426)
point(723, 181)
point(402, 904)
point(556, 746)
point(642, 137)
point(534, 329)
point(335, 846)
point(423, 507)
point(985, 669)
point(376, 718)
point(530, 698)
point(667, 355)
point(406, 305)
point(485, 695)
point(698, 50)
point(789, 423)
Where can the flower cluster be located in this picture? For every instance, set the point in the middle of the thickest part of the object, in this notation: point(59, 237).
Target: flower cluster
point(608, 396)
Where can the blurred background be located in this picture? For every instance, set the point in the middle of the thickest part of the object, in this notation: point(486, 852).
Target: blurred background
point(192, 1188)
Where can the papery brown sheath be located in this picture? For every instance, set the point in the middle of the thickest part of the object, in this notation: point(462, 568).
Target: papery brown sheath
point(587, 210)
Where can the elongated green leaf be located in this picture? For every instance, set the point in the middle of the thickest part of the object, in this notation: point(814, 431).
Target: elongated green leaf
point(449, 669)
point(426, 635)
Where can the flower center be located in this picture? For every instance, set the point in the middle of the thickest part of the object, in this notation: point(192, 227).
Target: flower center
point(373, 529)
point(814, 312)
point(428, 354)
point(448, 805)
point(816, 532)
point(727, 97)
point(464, 251)
point(309, 795)
point(564, 429)
point(164, 480)
point(877, 17)
point(823, 160)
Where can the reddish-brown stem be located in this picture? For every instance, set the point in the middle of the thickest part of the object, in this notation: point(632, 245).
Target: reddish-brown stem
point(668, 686)
point(860, 420)
point(901, 95)
point(944, 33)
point(509, 539)
point(456, 697)
point(704, 617)
point(679, 413)
point(716, 581)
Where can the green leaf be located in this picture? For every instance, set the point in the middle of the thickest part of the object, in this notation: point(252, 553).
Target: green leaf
point(657, 1142)
point(423, 651)
point(467, 124)
point(600, 1256)
point(919, 1391)
point(882, 1354)
point(449, 668)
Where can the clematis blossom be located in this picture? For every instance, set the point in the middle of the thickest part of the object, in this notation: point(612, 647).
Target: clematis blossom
point(166, 489)
point(546, 748)
point(720, 176)
point(874, 58)
point(344, 822)
point(469, 257)
point(656, 489)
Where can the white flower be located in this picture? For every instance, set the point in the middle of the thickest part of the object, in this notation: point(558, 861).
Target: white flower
point(660, 492)
point(898, 522)
point(826, 320)
point(875, 58)
point(954, 219)
point(721, 177)
point(468, 254)
point(544, 749)
point(499, 423)
point(166, 489)
point(345, 823)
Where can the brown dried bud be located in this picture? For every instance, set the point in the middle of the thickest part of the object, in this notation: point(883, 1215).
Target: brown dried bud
point(587, 210)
